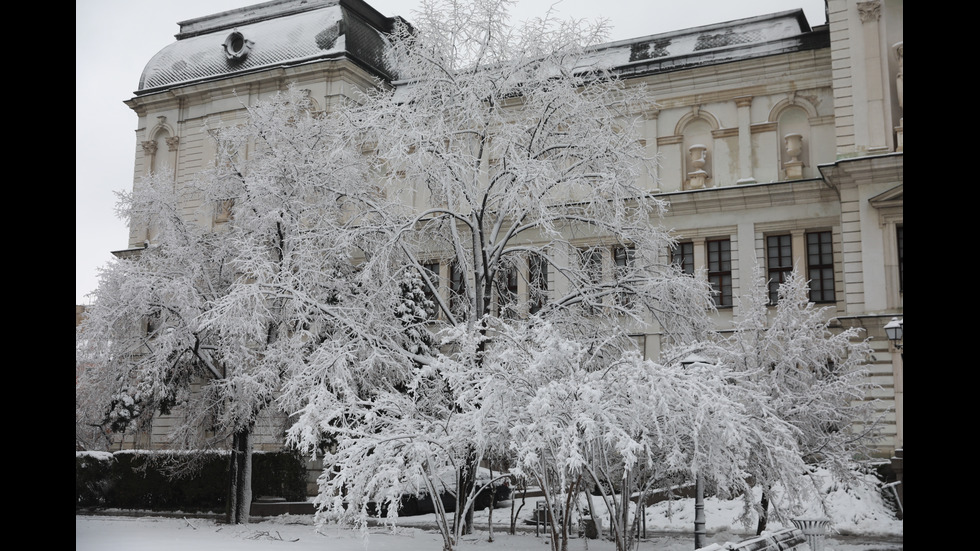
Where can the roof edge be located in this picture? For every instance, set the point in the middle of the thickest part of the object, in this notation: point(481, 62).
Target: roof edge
point(797, 13)
point(274, 9)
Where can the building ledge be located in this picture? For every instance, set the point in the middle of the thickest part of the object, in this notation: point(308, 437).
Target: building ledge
point(747, 196)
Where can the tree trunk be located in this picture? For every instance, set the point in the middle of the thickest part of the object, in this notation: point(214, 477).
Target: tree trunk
point(763, 513)
point(240, 478)
point(465, 482)
point(699, 522)
point(566, 520)
point(493, 503)
point(232, 498)
point(514, 513)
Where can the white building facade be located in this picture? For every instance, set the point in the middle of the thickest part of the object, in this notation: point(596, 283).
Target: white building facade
point(779, 144)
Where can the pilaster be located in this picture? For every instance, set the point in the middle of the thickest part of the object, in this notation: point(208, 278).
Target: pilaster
point(744, 107)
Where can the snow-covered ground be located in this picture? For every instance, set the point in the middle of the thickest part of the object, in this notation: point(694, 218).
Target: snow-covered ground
point(862, 521)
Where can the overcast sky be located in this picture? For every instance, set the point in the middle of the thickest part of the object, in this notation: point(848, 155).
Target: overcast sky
point(114, 39)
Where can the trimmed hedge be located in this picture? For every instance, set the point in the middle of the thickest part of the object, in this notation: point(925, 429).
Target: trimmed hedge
point(137, 480)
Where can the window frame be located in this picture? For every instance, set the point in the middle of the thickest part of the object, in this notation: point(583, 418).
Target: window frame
point(457, 289)
point(682, 256)
point(591, 260)
point(506, 290)
point(537, 283)
point(628, 255)
point(720, 271)
point(820, 266)
point(780, 265)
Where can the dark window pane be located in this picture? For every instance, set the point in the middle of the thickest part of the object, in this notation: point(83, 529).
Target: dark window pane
point(623, 257)
point(682, 256)
point(457, 290)
point(820, 266)
point(537, 269)
point(720, 271)
point(591, 262)
point(780, 262)
point(505, 284)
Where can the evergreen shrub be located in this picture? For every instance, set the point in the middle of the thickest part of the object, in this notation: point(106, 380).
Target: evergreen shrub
point(141, 480)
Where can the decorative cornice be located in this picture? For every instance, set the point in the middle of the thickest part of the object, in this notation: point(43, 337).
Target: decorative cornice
point(871, 169)
point(737, 198)
point(797, 225)
point(869, 11)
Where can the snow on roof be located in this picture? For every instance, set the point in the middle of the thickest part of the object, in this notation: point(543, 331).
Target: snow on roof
point(716, 43)
point(273, 34)
point(724, 42)
point(248, 14)
point(288, 32)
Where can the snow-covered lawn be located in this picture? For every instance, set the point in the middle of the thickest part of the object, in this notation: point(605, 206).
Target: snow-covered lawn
point(862, 521)
point(296, 533)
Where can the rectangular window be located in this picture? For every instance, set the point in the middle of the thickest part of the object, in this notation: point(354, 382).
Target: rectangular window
point(591, 262)
point(623, 259)
point(900, 237)
point(505, 283)
point(820, 265)
point(641, 344)
point(682, 256)
point(432, 269)
point(779, 262)
point(537, 288)
point(457, 289)
point(720, 271)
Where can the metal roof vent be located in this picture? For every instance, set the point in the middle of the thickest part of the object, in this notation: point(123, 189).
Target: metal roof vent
point(237, 46)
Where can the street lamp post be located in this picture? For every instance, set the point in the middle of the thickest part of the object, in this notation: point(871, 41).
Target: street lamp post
point(895, 329)
point(699, 518)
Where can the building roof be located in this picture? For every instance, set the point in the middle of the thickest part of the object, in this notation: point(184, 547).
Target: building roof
point(710, 44)
point(284, 33)
point(273, 34)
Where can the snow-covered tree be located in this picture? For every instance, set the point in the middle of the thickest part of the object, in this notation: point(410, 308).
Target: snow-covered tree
point(508, 161)
point(143, 342)
point(445, 271)
point(587, 419)
point(803, 368)
point(196, 324)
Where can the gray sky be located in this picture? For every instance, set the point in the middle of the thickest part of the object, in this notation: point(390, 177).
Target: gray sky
point(114, 39)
